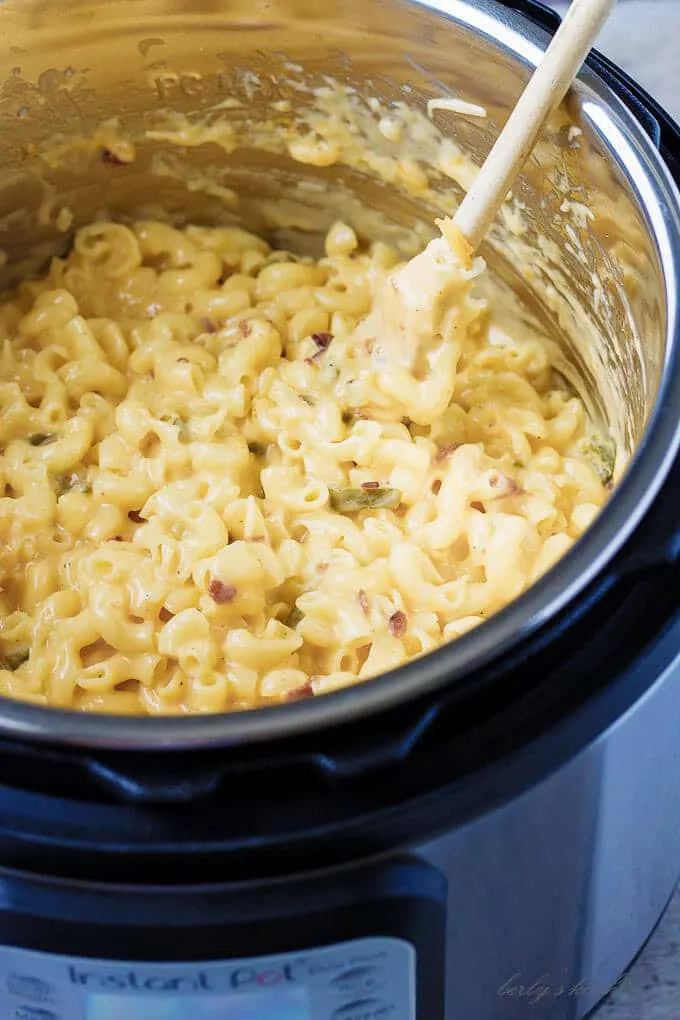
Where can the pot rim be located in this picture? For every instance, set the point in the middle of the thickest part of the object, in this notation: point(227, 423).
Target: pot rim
point(632, 498)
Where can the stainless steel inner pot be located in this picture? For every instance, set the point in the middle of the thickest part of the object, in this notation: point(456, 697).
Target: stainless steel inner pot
point(595, 258)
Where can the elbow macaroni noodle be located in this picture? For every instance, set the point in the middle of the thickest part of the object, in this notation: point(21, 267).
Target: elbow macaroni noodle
point(209, 502)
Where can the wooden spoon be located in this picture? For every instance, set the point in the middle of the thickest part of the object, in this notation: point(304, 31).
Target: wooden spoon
point(418, 315)
point(547, 88)
point(418, 307)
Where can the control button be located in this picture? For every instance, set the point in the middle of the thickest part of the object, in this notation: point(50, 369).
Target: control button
point(365, 1009)
point(23, 986)
point(357, 980)
point(34, 1013)
point(325, 967)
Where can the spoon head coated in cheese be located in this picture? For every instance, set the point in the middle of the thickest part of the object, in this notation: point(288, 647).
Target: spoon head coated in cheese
point(419, 321)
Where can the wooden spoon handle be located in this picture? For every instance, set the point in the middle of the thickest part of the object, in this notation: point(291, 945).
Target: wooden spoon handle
point(546, 90)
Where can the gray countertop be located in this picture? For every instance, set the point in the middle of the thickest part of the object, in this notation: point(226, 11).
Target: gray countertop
point(643, 37)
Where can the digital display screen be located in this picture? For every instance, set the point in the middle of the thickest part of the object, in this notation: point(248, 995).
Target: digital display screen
point(286, 1004)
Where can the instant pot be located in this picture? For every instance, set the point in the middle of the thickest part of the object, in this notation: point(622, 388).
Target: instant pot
point(492, 831)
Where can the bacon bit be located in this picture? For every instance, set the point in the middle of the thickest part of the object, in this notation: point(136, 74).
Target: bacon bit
point(165, 615)
point(112, 158)
point(183, 361)
point(208, 326)
point(322, 340)
point(306, 691)
point(135, 516)
point(397, 624)
point(116, 538)
point(476, 505)
point(221, 592)
point(511, 487)
point(445, 451)
point(370, 485)
point(400, 510)
point(436, 486)
point(245, 327)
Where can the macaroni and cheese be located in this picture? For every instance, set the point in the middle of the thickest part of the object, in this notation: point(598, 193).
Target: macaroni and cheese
point(219, 492)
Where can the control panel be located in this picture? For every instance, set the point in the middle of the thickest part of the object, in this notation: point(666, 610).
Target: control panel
point(361, 979)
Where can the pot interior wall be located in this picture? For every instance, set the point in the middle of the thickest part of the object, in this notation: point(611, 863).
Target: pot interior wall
point(574, 242)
